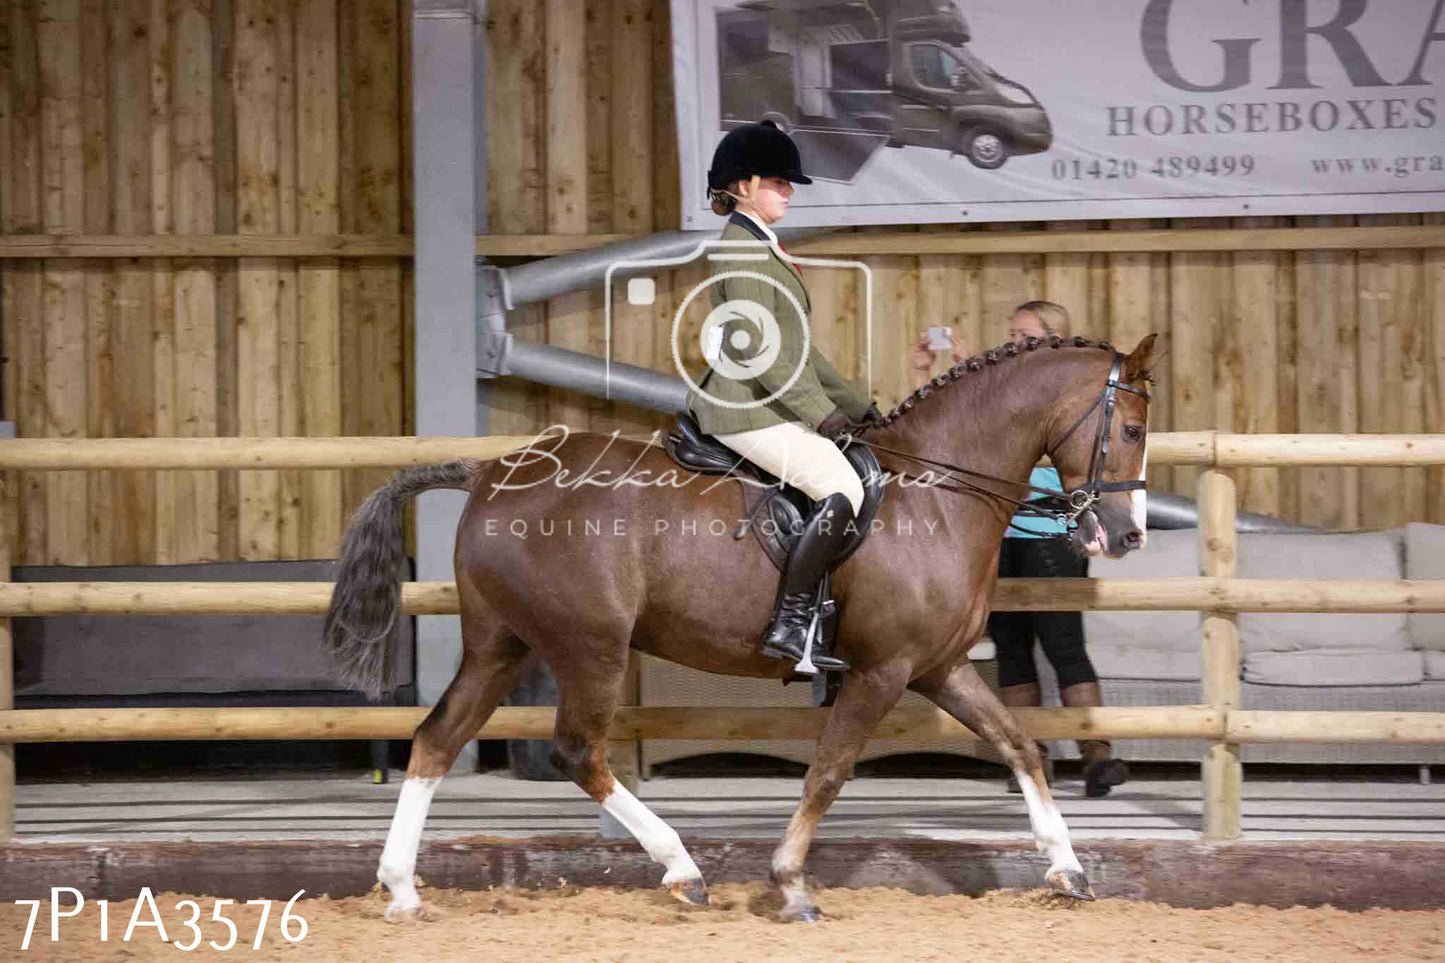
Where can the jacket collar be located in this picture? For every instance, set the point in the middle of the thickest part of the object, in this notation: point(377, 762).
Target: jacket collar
point(753, 226)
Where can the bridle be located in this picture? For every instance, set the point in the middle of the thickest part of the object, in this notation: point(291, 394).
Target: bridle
point(1080, 500)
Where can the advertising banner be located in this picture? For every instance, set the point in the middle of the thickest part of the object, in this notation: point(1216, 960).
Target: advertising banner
point(910, 111)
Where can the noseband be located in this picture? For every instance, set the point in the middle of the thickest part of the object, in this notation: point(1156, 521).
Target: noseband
point(1079, 500)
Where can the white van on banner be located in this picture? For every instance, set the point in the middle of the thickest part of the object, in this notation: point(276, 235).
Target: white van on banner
point(911, 111)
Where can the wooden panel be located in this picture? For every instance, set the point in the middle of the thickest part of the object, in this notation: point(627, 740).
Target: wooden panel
point(1254, 334)
point(257, 90)
point(1326, 355)
point(131, 333)
point(1199, 310)
point(319, 282)
point(1433, 315)
point(566, 138)
point(99, 275)
point(1066, 282)
point(195, 513)
point(941, 301)
point(1132, 280)
point(630, 128)
point(288, 335)
point(1005, 285)
point(376, 102)
point(63, 184)
point(162, 62)
point(895, 293)
point(1287, 388)
point(667, 197)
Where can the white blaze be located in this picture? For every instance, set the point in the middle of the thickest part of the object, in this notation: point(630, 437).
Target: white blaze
point(1138, 510)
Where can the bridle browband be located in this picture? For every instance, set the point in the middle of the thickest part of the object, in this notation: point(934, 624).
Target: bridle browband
point(1079, 500)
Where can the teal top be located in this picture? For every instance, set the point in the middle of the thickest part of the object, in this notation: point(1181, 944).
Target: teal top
point(1033, 526)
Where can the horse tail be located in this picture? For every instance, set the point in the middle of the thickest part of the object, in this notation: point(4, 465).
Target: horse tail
point(360, 628)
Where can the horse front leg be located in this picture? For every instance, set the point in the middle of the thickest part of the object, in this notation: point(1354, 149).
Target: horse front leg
point(962, 694)
point(866, 697)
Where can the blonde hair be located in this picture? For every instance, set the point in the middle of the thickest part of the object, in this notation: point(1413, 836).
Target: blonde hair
point(1054, 317)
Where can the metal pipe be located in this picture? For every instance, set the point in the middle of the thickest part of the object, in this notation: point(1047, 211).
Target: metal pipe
point(590, 375)
point(555, 276)
point(1175, 511)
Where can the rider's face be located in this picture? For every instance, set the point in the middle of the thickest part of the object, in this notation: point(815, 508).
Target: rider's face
point(770, 197)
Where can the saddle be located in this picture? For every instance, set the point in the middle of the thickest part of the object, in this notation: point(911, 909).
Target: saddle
point(774, 510)
point(766, 498)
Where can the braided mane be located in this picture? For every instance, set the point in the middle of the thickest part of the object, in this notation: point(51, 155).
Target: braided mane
point(978, 362)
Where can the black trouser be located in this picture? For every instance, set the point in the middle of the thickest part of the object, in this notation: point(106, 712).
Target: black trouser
point(1060, 633)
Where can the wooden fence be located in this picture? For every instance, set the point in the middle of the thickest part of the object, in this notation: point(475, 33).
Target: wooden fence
point(203, 217)
point(1217, 593)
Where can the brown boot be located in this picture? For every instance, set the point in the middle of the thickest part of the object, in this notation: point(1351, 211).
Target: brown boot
point(1102, 772)
point(1026, 696)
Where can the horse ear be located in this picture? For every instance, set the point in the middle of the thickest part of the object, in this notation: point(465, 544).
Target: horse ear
point(1141, 359)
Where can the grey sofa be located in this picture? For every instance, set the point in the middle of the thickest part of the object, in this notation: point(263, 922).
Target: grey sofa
point(1385, 662)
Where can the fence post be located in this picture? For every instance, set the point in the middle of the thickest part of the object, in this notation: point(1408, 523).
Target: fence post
point(1223, 774)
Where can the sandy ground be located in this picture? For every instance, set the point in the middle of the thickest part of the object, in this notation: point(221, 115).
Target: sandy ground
point(566, 923)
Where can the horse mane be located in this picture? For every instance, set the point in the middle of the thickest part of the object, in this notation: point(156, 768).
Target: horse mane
point(978, 362)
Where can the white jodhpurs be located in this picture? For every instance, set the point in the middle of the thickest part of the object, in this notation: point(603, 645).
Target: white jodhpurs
point(802, 458)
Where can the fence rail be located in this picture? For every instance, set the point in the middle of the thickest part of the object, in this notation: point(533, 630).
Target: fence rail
point(1216, 593)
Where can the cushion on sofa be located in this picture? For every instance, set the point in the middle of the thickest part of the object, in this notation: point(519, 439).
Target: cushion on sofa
point(1336, 667)
point(1167, 553)
point(1364, 555)
point(1424, 559)
point(1125, 661)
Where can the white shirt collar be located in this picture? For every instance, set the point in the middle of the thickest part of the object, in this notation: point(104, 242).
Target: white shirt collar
point(758, 221)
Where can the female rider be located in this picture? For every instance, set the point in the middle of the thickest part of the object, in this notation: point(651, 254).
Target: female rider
point(786, 429)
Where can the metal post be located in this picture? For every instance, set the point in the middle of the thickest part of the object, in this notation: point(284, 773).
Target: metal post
point(443, 158)
point(1223, 773)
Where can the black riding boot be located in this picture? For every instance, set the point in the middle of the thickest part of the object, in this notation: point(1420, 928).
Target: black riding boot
point(811, 558)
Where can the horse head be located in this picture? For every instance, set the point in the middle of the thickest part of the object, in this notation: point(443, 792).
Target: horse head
point(1098, 441)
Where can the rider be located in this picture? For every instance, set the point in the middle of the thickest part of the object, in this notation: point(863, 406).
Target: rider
point(793, 435)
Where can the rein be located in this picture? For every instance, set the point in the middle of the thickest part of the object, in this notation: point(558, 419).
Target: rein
point(1079, 500)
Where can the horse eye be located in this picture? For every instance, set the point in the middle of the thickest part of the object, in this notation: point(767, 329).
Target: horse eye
point(1132, 432)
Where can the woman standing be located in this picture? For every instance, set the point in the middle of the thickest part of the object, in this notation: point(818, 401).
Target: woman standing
point(785, 428)
point(1032, 550)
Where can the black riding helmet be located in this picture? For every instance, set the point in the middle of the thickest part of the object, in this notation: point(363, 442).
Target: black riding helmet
point(759, 149)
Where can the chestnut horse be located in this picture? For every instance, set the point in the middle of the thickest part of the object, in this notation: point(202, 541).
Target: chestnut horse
point(635, 553)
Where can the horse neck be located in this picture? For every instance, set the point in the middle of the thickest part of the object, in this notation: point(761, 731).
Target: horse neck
point(991, 421)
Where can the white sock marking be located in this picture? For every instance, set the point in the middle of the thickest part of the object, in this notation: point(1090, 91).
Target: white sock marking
point(1050, 834)
point(398, 857)
point(657, 837)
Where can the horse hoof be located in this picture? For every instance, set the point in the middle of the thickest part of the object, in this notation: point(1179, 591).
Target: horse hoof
point(692, 891)
point(805, 914)
point(407, 914)
point(1071, 883)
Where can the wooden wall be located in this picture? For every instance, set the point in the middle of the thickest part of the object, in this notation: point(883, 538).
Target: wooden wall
point(291, 117)
point(201, 117)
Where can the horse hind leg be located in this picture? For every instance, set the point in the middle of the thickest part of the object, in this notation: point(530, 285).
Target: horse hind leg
point(964, 695)
point(485, 677)
point(589, 687)
point(864, 700)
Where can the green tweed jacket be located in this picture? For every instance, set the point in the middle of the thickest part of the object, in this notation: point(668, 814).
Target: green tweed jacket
point(819, 388)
